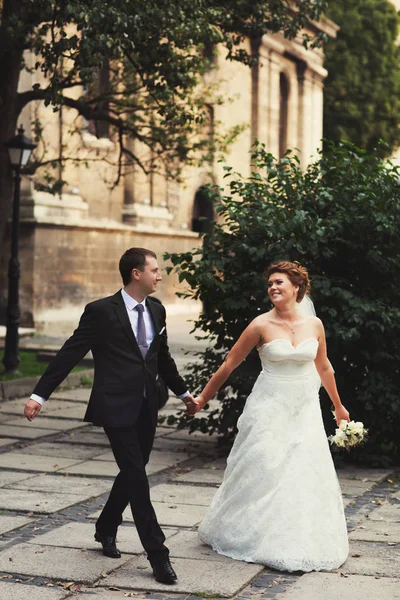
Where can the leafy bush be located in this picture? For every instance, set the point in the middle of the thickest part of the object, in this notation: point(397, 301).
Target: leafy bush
point(341, 219)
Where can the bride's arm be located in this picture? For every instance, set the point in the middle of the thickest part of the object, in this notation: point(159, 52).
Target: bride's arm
point(250, 338)
point(326, 373)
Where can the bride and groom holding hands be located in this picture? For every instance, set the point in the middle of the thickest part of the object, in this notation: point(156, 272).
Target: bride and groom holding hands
point(280, 502)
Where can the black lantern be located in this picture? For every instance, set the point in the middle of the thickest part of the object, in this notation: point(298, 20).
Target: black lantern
point(19, 150)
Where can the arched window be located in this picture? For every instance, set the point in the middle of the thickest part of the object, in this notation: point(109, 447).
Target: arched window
point(283, 113)
point(202, 207)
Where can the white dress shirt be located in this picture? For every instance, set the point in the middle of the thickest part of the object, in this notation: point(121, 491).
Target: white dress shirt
point(130, 304)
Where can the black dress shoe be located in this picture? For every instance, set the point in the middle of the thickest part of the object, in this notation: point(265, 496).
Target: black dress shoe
point(163, 571)
point(108, 543)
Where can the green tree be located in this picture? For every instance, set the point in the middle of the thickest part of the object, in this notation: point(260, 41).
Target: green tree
point(341, 219)
point(155, 53)
point(362, 90)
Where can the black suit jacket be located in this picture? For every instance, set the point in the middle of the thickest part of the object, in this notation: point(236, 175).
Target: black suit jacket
point(121, 373)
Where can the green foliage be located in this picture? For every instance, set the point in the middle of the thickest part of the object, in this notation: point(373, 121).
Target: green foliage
point(362, 90)
point(155, 54)
point(341, 219)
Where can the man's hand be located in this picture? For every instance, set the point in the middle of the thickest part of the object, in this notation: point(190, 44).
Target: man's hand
point(32, 409)
point(190, 405)
point(193, 405)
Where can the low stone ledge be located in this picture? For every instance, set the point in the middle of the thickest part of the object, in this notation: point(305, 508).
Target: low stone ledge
point(17, 388)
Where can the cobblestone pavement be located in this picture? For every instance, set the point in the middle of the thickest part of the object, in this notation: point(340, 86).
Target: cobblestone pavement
point(55, 475)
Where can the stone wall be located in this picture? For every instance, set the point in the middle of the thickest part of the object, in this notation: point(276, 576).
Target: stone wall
point(65, 267)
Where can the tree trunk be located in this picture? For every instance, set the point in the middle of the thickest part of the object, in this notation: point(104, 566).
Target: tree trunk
point(9, 113)
point(10, 66)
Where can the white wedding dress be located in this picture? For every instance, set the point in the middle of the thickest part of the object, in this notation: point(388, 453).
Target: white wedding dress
point(280, 502)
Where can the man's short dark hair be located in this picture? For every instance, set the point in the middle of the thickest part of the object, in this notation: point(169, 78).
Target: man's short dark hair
point(134, 258)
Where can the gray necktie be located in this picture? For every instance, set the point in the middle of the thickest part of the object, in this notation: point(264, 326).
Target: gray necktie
point(141, 330)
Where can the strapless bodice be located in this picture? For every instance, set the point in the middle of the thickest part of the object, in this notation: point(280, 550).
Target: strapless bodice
point(281, 359)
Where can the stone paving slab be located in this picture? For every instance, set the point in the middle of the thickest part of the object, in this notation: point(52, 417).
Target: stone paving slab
point(57, 563)
point(86, 436)
point(32, 462)
point(4, 417)
point(169, 457)
point(161, 431)
point(213, 477)
point(182, 434)
point(93, 594)
point(52, 407)
point(37, 502)
point(173, 515)
point(347, 501)
point(76, 395)
point(8, 523)
point(16, 407)
point(76, 411)
point(157, 457)
point(357, 483)
point(355, 490)
point(186, 544)
point(63, 484)
point(331, 586)
point(376, 531)
point(219, 464)
point(355, 473)
point(198, 577)
point(181, 515)
point(24, 432)
point(372, 559)
point(6, 442)
point(164, 443)
point(98, 468)
point(81, 535)
point(63, 450)
point(13, 406)
point(48, 423)
point(182, 494)
point(151, 468)
point(20, 591)
point(387, 512)
point(7, 477)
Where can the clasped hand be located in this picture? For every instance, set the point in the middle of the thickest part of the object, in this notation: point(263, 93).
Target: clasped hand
point(193, 405)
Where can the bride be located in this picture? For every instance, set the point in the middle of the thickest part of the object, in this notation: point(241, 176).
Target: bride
point(280, 502)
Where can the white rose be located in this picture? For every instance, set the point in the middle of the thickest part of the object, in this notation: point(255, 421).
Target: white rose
point(340, 441)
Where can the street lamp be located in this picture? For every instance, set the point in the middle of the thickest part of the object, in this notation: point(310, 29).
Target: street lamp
point(19, 151)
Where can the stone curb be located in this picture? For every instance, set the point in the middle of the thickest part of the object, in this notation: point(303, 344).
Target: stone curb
point(17, 388)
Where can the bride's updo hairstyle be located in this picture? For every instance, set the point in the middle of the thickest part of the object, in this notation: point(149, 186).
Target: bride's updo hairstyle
point(297, 274)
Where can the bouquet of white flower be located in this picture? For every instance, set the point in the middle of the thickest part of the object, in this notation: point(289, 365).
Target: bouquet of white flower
point(349, 434)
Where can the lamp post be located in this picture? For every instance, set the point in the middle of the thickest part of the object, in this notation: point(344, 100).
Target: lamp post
point(19, 151)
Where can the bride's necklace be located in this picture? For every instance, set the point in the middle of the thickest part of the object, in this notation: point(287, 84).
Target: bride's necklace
point(287, 324)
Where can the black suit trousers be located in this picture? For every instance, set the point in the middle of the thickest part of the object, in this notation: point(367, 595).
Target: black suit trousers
point(131, 447)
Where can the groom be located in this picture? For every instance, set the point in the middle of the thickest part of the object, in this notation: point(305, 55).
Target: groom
point(127, 336)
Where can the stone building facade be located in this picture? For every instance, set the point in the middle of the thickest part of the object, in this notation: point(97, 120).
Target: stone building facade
point(71, 242)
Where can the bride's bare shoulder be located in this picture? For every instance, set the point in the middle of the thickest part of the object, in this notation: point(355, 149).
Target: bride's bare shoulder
point(263, 319)
point(316, 323)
